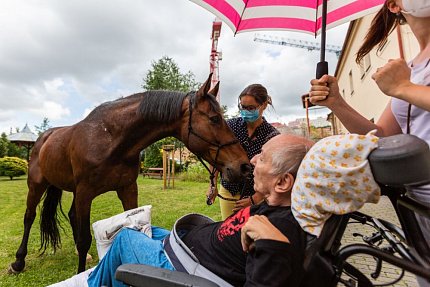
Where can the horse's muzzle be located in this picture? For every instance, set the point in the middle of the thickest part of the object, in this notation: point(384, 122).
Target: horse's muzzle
point(245, 170)
point(233, 175)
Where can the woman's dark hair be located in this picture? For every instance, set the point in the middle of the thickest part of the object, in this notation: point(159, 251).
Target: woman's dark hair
point(382, 25)
point(259, 93)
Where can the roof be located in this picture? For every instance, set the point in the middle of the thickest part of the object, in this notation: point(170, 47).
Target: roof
point(26, 135)
point(348, 37)
point(277, 125)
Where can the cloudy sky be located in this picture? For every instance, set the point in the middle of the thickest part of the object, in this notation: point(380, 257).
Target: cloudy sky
point(60, 59)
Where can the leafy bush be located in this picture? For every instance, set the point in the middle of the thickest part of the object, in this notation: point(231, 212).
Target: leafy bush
point(153, 155)
point(195, 172)
point(13, 167)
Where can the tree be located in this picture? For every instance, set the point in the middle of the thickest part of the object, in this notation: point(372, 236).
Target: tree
point(13, 167)
point(44, 126)
point(13, 150)
point(224, 110)
point(4, 143)
point(165, 75)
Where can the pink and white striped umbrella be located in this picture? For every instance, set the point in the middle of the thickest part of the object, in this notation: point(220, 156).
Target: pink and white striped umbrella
point(309, 16)
point(293, 15)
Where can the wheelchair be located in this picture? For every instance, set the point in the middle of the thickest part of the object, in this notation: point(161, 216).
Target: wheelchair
point(400, 162)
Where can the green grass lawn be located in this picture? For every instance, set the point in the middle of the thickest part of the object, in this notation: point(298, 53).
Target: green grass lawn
point(49, 268)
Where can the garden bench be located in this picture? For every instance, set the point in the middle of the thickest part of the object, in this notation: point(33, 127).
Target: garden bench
point(153, 172)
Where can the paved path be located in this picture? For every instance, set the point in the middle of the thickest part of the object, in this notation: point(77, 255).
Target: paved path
point(383, 210)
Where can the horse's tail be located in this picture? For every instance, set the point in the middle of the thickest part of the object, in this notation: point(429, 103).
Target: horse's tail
point(49, 219)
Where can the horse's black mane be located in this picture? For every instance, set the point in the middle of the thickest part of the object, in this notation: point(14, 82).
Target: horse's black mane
point(156, 106)
point(161, 106)
point(165, 106)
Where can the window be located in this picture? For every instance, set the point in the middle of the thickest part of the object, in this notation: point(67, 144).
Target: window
point(351, 83)
point(367, 63)
point(362, 70)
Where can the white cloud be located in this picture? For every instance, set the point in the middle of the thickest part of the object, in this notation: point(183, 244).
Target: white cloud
point(51, 110)
point(59, 59)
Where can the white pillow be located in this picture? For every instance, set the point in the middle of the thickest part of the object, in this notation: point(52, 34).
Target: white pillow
point(105, 230)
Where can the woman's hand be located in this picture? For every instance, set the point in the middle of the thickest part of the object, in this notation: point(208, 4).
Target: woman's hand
point(241, 203)
point(393, 78)
point(324, 91)
point(256, 198)
point(259, 227)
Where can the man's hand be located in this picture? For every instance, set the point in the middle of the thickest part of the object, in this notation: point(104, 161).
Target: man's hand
point(259, 227)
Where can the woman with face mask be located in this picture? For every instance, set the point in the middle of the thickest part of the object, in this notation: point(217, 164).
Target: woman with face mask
point(407, 85)
point(253, 131)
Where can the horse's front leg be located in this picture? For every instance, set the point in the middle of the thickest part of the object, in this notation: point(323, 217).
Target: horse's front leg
point(128, 196)
point(72, 219)
point(83, 233)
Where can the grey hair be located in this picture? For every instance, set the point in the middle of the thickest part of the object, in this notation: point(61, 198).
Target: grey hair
point(288, 158)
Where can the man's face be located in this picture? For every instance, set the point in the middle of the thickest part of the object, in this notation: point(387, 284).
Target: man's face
point(264, 181)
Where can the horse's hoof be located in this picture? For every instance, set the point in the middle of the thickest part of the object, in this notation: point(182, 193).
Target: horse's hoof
point(89, 258)
point(10, 270)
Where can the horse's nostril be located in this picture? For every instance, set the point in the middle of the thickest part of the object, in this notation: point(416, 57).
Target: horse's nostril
point(245, 169)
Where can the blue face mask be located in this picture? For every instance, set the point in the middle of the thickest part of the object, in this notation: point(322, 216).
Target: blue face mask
point(250, 116)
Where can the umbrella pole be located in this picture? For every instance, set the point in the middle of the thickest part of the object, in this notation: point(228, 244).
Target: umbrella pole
point(322, 66)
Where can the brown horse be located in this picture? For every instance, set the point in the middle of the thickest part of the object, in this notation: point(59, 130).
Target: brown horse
point(101, 153)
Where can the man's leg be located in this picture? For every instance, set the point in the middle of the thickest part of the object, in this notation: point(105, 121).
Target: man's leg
point(130, 247)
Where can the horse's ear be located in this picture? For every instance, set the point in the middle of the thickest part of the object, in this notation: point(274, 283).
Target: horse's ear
point(214, 90)
point(204, 89)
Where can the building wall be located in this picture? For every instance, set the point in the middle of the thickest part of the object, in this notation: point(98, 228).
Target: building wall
point(355, 82)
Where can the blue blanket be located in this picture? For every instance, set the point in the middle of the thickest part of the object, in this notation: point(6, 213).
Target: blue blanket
point(130, 247)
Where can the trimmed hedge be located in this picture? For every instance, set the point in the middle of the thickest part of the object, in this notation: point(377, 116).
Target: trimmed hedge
point(13, 167)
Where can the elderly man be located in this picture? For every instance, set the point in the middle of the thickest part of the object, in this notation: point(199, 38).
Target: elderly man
point(217, 246)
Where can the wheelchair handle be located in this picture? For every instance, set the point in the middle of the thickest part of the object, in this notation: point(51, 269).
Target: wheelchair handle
point(401, 160)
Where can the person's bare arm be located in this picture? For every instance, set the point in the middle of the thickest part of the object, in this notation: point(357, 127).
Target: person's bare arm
point(325, 92)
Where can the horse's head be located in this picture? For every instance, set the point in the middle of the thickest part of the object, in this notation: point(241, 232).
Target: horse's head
point(208, 136)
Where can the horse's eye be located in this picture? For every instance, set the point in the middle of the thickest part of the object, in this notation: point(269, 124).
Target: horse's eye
point(215, 119)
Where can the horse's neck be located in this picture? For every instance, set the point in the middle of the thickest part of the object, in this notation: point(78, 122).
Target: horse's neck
point(131, 134)
point(144, 135)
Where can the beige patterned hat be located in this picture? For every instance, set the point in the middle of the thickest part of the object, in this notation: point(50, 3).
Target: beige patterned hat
point(334, 178)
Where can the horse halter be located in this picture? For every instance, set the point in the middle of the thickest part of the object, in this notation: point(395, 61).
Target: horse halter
point(219, 147)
